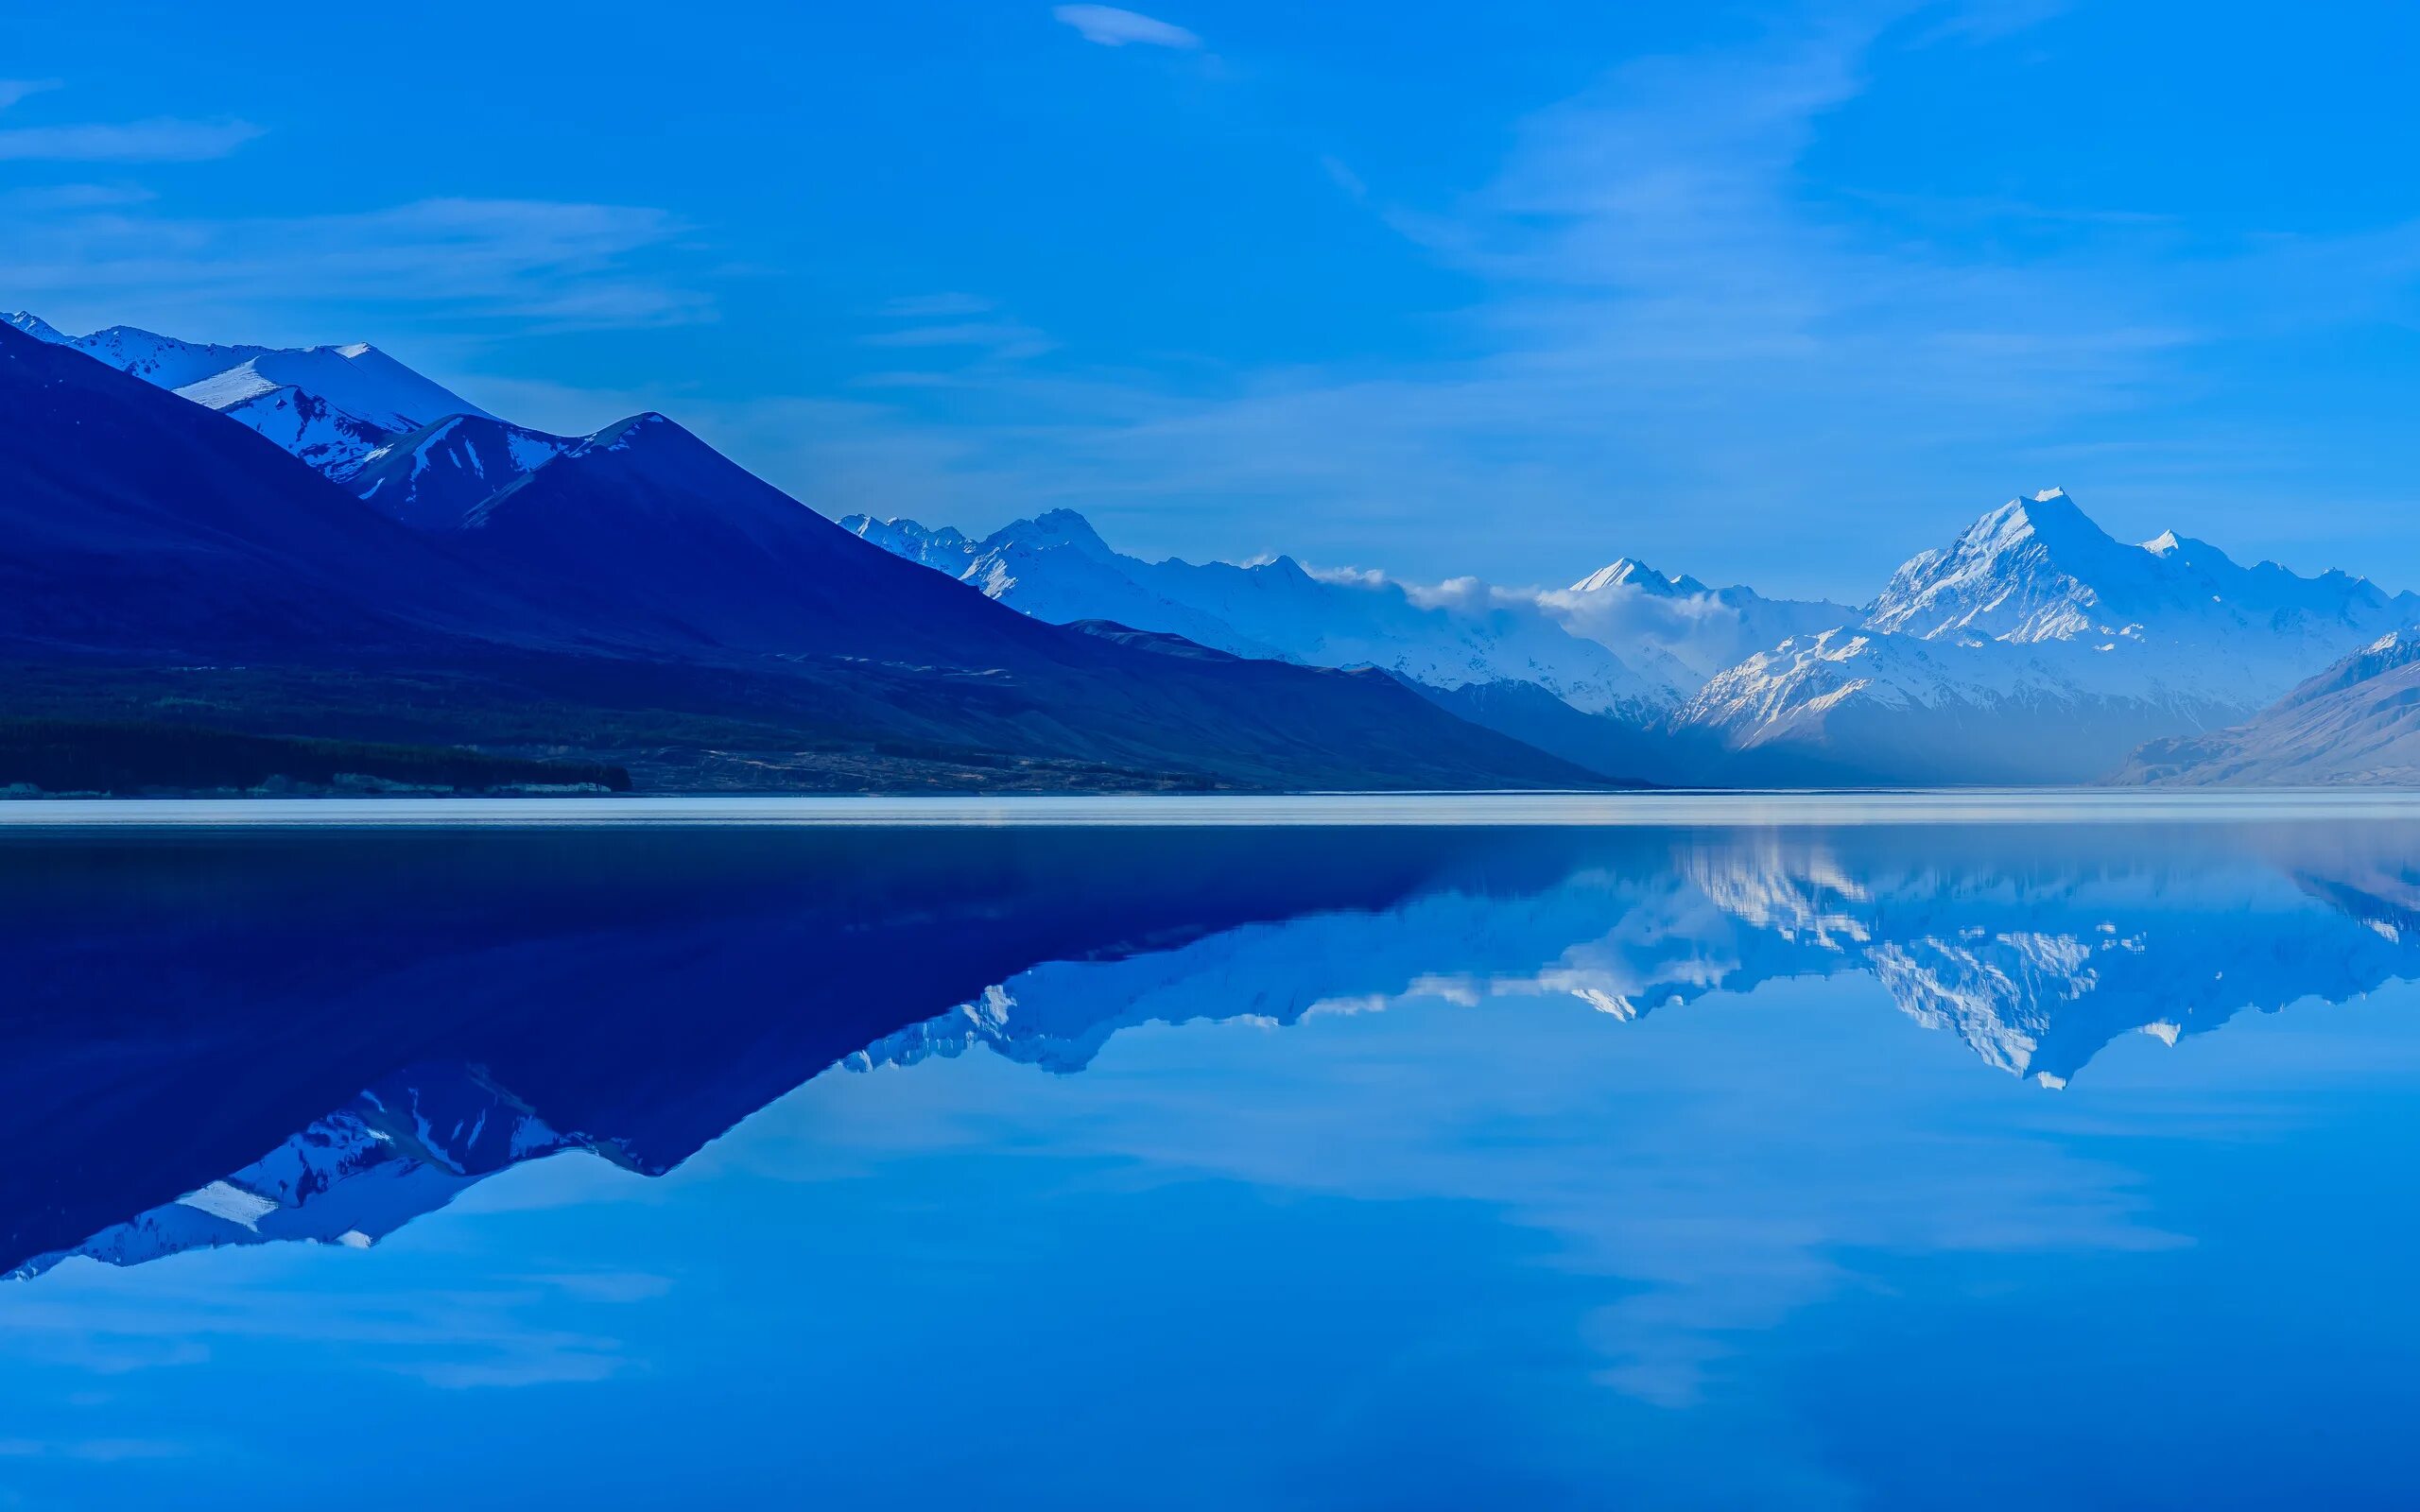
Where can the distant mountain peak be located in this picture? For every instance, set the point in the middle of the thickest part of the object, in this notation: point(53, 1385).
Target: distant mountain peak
point(2047, 513)
point(40, 329)
point(2397, 648)
point(1628, 572)
point(1055, 567)
point(634, 431)
point(941, 547)
point(2036, 568)
point(650, 470)
point(1052, 527)
point(329, 406)
point(129, 333)
point(2039, 647)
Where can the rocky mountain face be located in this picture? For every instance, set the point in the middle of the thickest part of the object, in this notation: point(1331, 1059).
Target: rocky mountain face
point(2355, 725)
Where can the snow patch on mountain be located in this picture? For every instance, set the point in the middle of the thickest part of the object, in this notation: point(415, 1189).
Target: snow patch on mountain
point(433, 477)
point(403, 1148)
point(162, 360)
point(307, 426)
point(328, 406)
point(38, 328)
point(358, 381)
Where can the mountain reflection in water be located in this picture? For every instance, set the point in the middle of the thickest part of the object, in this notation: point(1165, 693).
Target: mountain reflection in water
point(345, 1033)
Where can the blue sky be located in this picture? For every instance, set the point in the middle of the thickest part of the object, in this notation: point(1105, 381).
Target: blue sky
point(1779, 293)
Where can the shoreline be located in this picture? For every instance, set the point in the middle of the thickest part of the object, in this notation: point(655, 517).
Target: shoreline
point(1650, 809)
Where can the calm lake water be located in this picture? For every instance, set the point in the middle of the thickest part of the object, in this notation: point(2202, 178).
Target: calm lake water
point(1914, 1155)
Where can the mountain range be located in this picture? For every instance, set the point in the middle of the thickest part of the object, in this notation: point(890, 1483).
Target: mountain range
point(328, 406)
point(2035, 648)
point(630, 593)
point(661, 604)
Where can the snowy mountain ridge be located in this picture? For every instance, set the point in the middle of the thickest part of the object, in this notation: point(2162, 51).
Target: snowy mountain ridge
point(432, 478)
point(2039, 568)
point(1056, 567)
point(2031, 647)
point(401, 1149)
point(2035, 974)
point(2036, 647)
point(329, 406)
point(2356, 724)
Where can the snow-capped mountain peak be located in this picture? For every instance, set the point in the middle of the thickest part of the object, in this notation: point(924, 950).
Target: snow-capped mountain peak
point(1653, 619)
point(2035, 569)
point(1285, 566)
point(2036, 647)
point(1054, 528)
point(360, 381)
point(1629, 573)
point(939, 547)
point(2041, 570)
point(165, 361)
point(329, 406)
point(38, 328)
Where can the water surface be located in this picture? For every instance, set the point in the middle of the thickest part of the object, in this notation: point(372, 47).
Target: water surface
point(1941, 1156)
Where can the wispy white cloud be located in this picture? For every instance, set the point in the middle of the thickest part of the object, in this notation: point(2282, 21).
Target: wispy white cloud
point(926, 306)
point(13, 89)
point(1005, 340)
point(161, 140)
point(1341, 174)
point(76, 197)
point(1111, 27)
point(1986, 20)
point(1675, 321)
point(534, 263)
point(95, 1450)
point(501, 1333)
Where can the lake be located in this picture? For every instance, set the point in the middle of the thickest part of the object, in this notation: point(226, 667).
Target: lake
point(1677, 1151)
